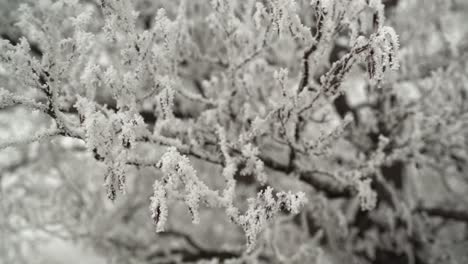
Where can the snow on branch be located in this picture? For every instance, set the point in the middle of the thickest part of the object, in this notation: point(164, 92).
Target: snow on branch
point(181, 182)
point(44, 134)
point(235, 88)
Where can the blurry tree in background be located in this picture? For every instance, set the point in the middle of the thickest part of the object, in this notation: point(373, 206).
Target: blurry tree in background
point(249, 131)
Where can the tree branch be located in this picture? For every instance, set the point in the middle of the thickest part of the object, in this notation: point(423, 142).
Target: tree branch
point(446, 213)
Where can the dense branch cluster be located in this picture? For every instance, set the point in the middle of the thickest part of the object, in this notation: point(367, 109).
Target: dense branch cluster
point(230, 106)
